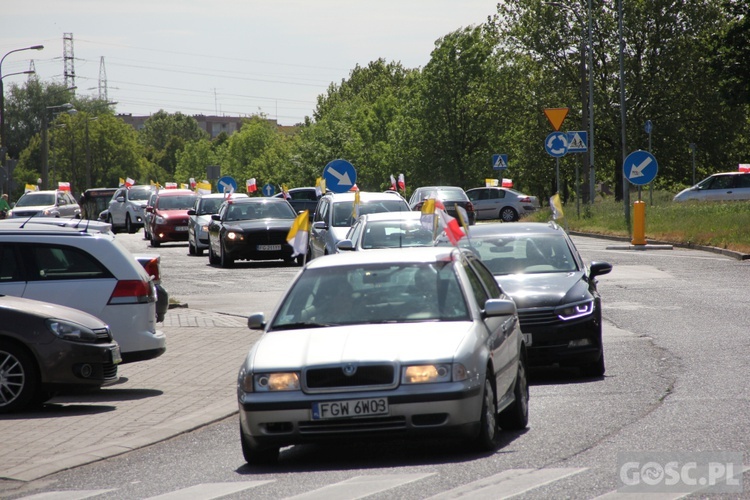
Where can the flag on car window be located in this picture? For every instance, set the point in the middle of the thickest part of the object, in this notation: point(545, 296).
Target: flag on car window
point(463, 217)
point(401, 182)
point(129, 182)
point(298, 234)
point(251, 185)
point(451, 227)
point(356, 205)
point(320, 186)
point(556, 206)
point(30, 187)
point(191, 181)
point(203, 187)
point(63, 186)
point(285, 192)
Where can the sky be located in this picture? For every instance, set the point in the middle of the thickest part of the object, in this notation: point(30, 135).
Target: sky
point(222, 57)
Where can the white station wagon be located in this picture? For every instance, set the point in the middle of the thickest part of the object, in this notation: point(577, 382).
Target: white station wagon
point(385, 343)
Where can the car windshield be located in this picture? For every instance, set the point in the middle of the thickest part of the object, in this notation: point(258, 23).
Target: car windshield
point(180, 202)
point(373, 293)
point(253, 211)
point(209, 206)
point(523, 254)
point(36, 200)
point(343, 216)
point(395, 234)
point(139, 194)
point(443, 194)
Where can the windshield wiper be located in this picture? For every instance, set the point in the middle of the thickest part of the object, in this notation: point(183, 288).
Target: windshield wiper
point(298, 326)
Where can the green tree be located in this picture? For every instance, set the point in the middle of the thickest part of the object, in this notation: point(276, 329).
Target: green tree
point(163, 135)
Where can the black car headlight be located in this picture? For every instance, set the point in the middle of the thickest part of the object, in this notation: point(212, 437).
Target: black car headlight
point(71, 331)
point(574, 311)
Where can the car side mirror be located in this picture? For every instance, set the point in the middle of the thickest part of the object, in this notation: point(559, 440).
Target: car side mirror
point(499, 307)
point(191, 212)
point(345, 245)
point(320, 225)
point(599, 268)
point(150, 209)
point(256, 321)
point(215, 217)
point(121, 199)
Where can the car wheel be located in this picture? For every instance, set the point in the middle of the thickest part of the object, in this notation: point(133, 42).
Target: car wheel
point(516, 416)
point(154, 242)
point(508, 214)
point(129, 227)
point(19, 381)
point(487, 440)
point(198, 251)
point(595, 369)
point(146, 234)
point(191, 248)
point(255, 455)
point(111, 223)
point(300, 260)
point(212, 256)
point(225, 261)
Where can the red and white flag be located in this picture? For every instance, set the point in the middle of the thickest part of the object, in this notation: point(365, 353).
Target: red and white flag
point(393, 183)
point(63, 186)
point(452, 228)
point(170, 185)
point(401, 182)
point(192, 183)
point(251, 185)
point(129, 182)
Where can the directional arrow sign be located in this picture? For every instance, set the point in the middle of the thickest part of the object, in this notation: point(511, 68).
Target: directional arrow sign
point(556, 144)
point(268, 190)
point(340, 176)
point(640, 167)
point(227, 185)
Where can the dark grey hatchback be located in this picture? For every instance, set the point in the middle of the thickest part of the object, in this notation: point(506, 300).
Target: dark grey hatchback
point(558, 303)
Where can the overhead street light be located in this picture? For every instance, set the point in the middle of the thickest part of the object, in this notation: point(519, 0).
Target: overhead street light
point(2, 90)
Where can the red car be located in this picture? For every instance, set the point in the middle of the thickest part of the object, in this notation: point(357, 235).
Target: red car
point(169, 218)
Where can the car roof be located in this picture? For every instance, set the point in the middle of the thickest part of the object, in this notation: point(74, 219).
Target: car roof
point(381, 216)
point(223, 195)
point(491, 228)
point(411, 255)
point(174, 192)
point(53, 225)
point(46, 191)
point(364, 196)
point(264, 199)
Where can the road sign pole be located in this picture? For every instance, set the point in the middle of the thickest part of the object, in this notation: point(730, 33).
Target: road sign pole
point(557, 173)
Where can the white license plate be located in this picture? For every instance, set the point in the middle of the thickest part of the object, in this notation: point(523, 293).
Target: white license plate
point(348, 409)
point(268, 248)
point(180, 228)
point(527, 339)
point(116, 355)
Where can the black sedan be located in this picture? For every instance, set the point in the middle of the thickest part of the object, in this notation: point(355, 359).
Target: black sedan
point(559, 306)
point(250, 229)
point(48, 349)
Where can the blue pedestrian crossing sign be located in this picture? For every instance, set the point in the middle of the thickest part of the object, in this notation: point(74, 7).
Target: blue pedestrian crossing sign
point(556, 144)
point(340, 176)
point(499, 162)
point(640, 167)
point(227, 185)
point(578, 141)
point(268, 190)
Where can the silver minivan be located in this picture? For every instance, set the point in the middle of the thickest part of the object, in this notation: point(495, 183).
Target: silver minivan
point(725, 186)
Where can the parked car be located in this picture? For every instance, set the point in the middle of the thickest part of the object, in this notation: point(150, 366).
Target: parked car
point(384, 343)
point(334, 216)
point(250, 229)
point(449, 196)
point(559, 305)
point(56, 203)
point(48, 349)
point(170, 217)
point(94, 201)
point(126, 208)
point(200, 216)
point(148, 215)
point(86, 269)
point(387, 230)
point(501, 203)
point(725, 186)
point(302, 198)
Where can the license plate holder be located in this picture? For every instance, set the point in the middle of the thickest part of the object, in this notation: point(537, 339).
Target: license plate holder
point(350, 408)
point(268, 248)
point(181, 228)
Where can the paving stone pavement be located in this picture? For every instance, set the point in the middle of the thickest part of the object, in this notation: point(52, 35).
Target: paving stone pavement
point(154, 400)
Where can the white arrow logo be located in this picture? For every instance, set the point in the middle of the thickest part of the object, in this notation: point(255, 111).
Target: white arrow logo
point(638, 171)
point(551, 141)
point(343, 178)
point(225, 187)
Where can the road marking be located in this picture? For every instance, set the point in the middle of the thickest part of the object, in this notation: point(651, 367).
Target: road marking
point(508, 483)
point(66, 495)
point(360, 486)
point(207, 491)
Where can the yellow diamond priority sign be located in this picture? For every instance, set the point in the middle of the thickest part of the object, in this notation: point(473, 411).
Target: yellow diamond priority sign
point(556, 116)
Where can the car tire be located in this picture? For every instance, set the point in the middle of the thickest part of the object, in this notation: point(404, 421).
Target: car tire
point(212, 257)
point(111, 223)
point(516, 416)
point(508, 214)
point(129, 227)
point(20, 384)
point(595, 369)
point(191, 248)
point(255, 455)
point(487, 439)
point(224, 261)
point(154, 242)
point(198, 251)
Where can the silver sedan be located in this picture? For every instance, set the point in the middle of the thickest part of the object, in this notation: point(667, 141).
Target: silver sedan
point(385, 343)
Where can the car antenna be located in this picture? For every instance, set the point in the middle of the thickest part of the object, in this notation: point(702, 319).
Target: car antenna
point(27, 220)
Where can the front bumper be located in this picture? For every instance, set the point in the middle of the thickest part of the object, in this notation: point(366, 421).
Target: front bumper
point(565, 343)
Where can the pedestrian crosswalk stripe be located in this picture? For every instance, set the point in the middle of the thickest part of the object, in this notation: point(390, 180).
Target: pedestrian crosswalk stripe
point(508, 483)
point(360, 486)
point(207, 491)
point(67, 495)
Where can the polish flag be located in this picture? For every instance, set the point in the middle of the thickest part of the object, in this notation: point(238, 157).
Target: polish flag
point(192, 183)
point(451, 227)
point(129, 182)
point(251, 185)
point(393, 183)
point(401, 182)
point(63, 186)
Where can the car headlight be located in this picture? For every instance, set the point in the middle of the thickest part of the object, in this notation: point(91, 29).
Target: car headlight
point(233, 236)
point(159, 219)
point(271, 382)
point(70, 331)
point(204, 228)
point(573, 311)
point(433, 373)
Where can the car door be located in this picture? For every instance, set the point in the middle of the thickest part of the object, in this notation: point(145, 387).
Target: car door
point(12, 271)
point(214, 229)
point(719, 189)
point(319, 228)
point(117, 207)
point(484, 206)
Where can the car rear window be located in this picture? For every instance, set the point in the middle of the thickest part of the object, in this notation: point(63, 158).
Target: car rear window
point(56, 262)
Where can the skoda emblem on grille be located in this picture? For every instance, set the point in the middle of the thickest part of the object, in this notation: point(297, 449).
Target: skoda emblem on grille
point(349, 369)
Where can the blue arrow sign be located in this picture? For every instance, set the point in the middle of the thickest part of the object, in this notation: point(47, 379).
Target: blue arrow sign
point(578, 141)
point(340, 176)
point(640, 167)
point(556, 144)
point(268, 190)
point(227, 185)
point(499, 162)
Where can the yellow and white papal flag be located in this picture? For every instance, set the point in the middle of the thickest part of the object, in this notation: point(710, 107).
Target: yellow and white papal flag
point(298, 234)
point(556, 205)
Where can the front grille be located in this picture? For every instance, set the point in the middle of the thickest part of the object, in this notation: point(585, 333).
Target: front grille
point(354, 425)
point(331, 378)
point(537, 317)
point(103, 336)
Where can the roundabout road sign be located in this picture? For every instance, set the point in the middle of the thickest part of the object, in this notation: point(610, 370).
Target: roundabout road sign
point(640, 167)
point(340, 176)
point(556, 144)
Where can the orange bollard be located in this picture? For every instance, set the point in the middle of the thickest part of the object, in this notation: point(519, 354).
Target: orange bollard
point(639, 223)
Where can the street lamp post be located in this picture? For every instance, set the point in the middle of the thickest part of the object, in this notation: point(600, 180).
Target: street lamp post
point(2, 90)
